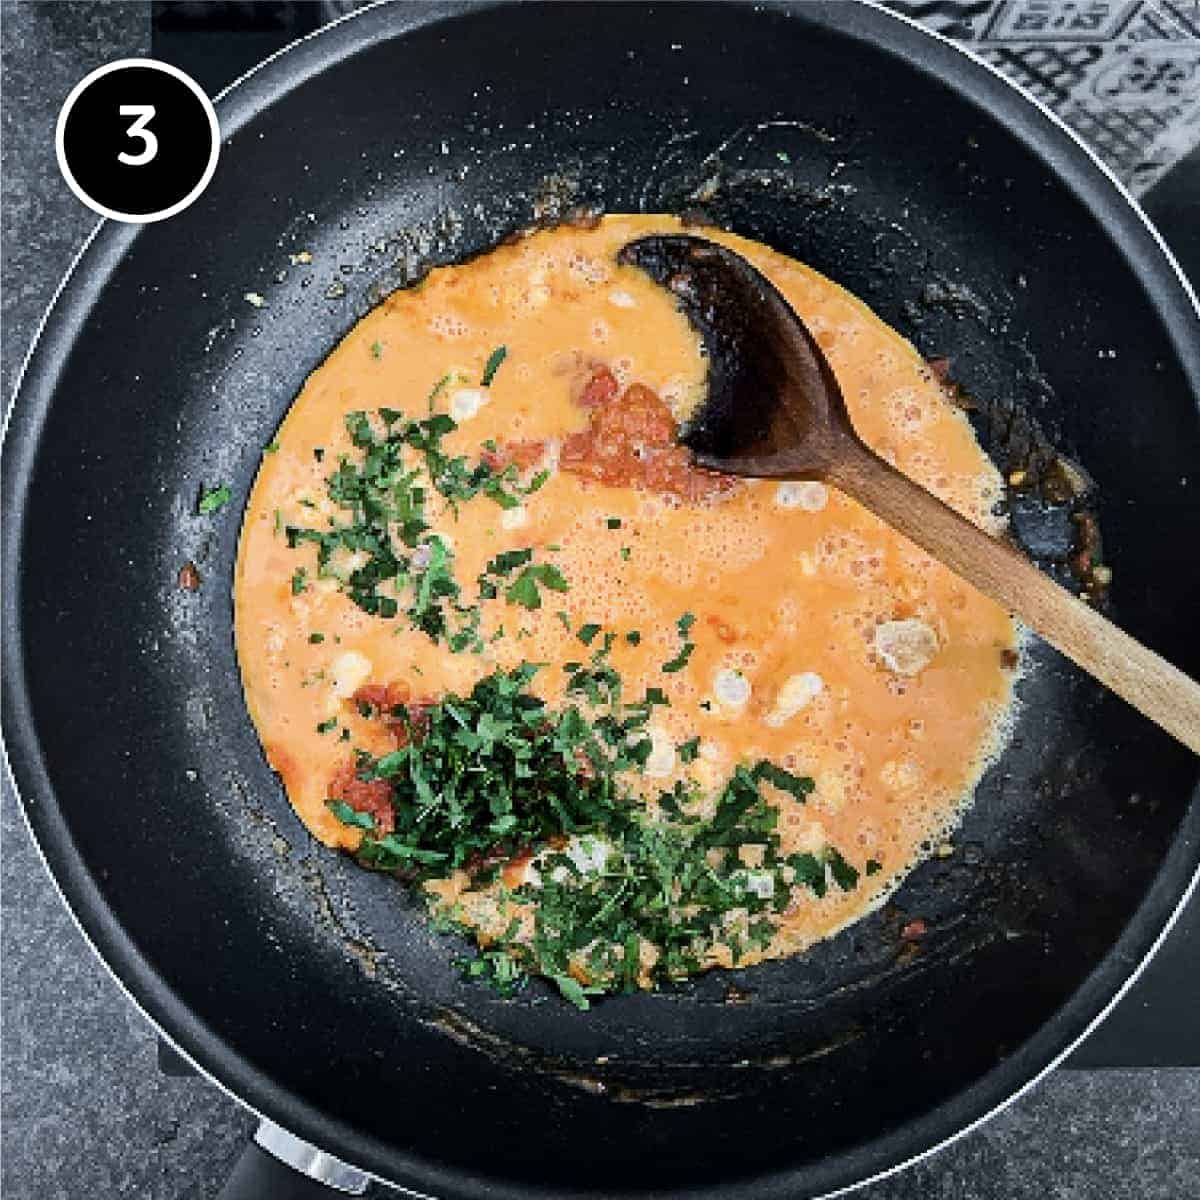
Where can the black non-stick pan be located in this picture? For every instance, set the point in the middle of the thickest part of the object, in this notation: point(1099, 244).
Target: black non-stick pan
point(412, 135)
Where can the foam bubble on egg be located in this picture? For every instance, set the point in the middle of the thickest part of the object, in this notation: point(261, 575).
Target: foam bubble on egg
point(275, 639)
point(448, 325)
point(906, 647)
point(466, 402)
point(348, 672)
point(588, 270)
point(806, 495)
point(621, 299)
point(731, 688)
point(622, 369)
point(797, 692)
point(901, 775)
point(661, 761)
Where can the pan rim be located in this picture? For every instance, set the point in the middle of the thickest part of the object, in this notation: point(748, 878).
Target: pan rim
point(72, 879)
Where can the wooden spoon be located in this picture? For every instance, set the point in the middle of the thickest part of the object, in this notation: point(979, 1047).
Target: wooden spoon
point(775, 410)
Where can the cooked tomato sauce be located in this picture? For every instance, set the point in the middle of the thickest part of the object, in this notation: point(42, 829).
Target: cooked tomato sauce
point(630, 441)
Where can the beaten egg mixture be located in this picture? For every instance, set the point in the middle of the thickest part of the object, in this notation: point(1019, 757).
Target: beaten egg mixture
point(618, 719)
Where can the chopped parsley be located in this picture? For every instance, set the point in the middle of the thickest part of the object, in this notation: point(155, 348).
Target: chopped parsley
point(680, 660)
point(299, 581)
point(613, 522)
point(587, 633)
point(376, 350)
point(796, 785)
point(524, 589)
point(685, 650)
point(384, 553)
point(327, 725)
point(350, 816)
point(213, 499)
point(486, 776)
point(492, 365)
point(316, 639)
point(689, 750)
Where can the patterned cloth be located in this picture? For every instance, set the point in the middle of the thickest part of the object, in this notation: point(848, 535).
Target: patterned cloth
point(1124, 74)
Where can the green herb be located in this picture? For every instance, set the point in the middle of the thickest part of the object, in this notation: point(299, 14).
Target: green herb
point(383, 489)
point(844, 875)
point(689, 750)
point(613, 522)
point(316, 638)
point(492, 365)
point(625, 553)
point(213, 499)
point(319, 453)
point(436, 391)
point(484, 775)
point(573, 991)
point(633, 637)
point(799, 786)
point(350, 816)
point(327, 725)
point(685, 651)
point(680, 660)
point(376, 350)
point(299, 581)
point(874, 866)
point(587, 633)
point(271, 448)
point(524, 589)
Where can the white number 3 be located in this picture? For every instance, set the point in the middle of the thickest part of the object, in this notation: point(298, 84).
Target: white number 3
point(144, 114)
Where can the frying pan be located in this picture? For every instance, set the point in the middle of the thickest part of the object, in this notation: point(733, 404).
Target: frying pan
point(414, 135)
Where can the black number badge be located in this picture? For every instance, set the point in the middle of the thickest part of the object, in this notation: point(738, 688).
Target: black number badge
point(137, 140)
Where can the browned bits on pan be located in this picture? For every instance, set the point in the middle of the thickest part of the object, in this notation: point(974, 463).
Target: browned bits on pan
point(1065, 480)
point(582, 217)
point(913, 930)
point(1087, 542)
point(940, 367)
point(189, 577)
point(1009, 658)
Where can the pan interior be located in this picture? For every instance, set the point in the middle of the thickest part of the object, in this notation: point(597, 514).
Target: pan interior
point(429, 148)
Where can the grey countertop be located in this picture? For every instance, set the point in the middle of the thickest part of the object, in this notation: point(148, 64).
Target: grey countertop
point(86, 1111)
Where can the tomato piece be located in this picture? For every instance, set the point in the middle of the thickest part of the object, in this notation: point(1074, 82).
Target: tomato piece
point(371, 796)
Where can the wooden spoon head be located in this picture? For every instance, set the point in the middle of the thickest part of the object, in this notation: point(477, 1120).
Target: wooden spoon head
point(774, 408)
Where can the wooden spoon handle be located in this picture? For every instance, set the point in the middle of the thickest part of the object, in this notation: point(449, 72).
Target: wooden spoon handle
point(1151, 684)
